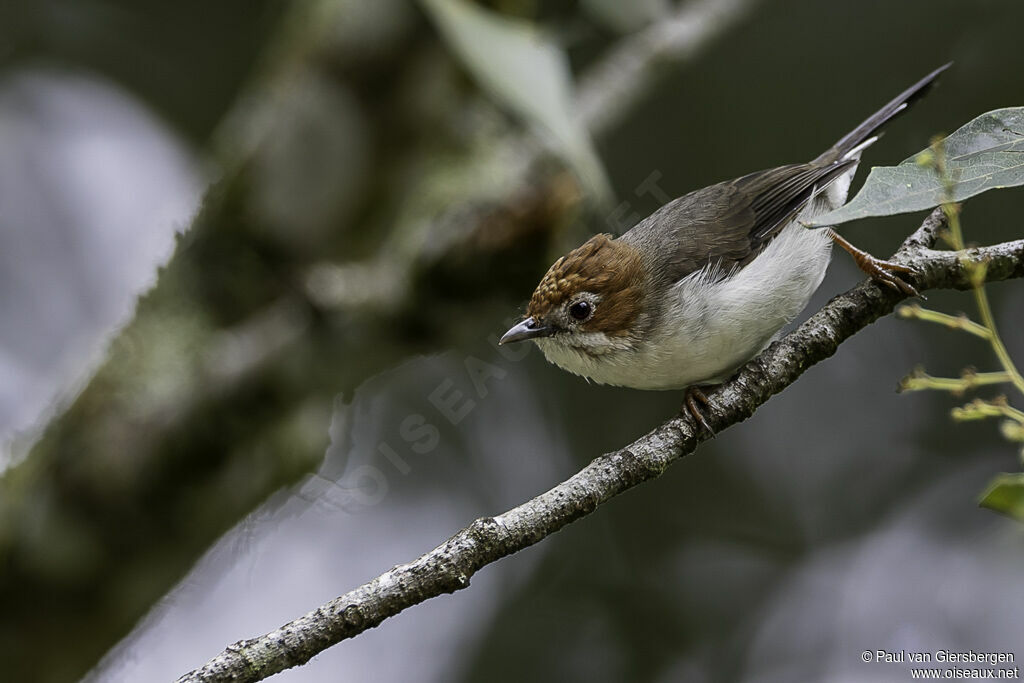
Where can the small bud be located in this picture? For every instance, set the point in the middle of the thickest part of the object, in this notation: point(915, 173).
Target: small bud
point(1012, 431)
point(975, 410)
point(908, 311)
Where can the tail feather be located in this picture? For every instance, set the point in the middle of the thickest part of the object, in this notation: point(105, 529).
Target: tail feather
point(860, 137)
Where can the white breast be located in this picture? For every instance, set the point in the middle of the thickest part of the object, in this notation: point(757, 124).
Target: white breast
point(721, 325)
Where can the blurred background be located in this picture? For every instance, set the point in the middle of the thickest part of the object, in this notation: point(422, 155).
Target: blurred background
point(331, 209)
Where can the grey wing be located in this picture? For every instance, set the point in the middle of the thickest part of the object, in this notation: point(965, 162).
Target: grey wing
point(727, 225)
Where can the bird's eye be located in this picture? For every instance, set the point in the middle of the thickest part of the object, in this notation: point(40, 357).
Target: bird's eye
point(580, 310)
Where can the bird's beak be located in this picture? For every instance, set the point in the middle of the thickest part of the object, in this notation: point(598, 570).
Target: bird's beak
point(527, 329)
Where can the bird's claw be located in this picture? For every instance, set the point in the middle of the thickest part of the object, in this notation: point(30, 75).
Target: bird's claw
point(885, 272)
point(692, 397)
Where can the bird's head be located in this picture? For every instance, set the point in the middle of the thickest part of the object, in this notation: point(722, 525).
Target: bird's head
point(591, 301)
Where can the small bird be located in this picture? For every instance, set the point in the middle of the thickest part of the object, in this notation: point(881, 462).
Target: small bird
point(704, 284)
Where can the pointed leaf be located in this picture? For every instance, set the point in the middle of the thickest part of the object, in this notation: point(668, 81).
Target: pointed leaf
point(1005, 494)
point(527, 72)
point(985, 154)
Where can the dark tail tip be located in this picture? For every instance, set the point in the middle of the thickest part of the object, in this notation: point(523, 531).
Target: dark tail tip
point(891, 110)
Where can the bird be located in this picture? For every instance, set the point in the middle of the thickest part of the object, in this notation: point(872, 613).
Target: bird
point(691, 293)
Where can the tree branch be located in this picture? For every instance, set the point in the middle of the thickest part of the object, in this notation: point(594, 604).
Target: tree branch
point(613, 87)
point(448, 567)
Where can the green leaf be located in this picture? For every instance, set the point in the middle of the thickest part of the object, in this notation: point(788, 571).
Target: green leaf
point(527, 72)
point(1005, 494)
point(985, 154)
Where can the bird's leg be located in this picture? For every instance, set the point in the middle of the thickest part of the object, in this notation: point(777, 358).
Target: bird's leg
point(691, 398)
point(883, 271)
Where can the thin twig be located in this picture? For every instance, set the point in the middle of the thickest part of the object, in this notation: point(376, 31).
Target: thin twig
point(976, 269)
point(610, 90)
point(920, 381)
point(957, 322)
point(979, 409)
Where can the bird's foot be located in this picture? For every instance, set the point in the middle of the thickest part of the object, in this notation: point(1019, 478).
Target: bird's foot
point(888, 272)
point(692, 397)
point(885, 272)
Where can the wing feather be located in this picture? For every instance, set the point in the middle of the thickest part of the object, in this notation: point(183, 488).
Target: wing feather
point(725, 226)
